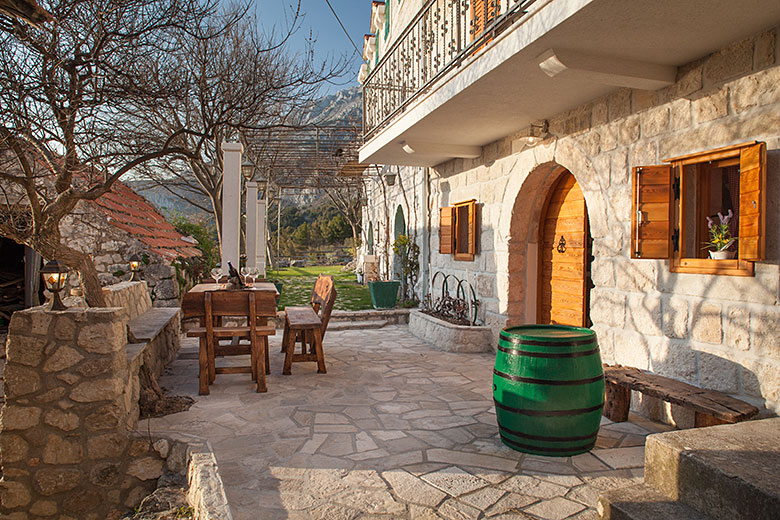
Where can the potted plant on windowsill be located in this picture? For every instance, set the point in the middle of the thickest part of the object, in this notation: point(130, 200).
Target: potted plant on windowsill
point(720, 237)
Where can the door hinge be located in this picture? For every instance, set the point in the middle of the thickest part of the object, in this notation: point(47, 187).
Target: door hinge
point(676, 240)
point(676, 188)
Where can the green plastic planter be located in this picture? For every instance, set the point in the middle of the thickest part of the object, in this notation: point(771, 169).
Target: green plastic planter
point(548, 388)
point(383, 294)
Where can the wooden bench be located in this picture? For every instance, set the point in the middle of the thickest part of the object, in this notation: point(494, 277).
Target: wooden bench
point(710, 407)
point(308, 325)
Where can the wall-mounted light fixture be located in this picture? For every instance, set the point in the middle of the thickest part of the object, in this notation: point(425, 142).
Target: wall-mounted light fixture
point(54, 277)
point(537, 134)
point(389, 176)
point(135, 266)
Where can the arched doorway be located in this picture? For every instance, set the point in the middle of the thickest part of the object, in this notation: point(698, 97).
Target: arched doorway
point(398, 229)
point(564, 259)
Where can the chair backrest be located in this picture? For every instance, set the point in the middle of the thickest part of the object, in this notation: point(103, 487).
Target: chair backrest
point(237, 303)
point(323, 297)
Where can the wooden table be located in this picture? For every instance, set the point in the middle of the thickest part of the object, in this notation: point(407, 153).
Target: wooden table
point(194, 306)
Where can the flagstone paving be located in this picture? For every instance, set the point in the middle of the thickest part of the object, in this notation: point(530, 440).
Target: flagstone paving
point(395, 429)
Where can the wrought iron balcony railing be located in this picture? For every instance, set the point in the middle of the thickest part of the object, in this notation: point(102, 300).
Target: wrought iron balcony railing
point(439, 38)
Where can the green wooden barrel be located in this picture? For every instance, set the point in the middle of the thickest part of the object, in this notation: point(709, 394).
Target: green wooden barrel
point(548, 388)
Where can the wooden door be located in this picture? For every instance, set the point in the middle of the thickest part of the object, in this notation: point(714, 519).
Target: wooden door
point(564, 256)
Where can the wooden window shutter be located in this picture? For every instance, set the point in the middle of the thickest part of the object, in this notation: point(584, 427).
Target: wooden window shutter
point(465, 230)
point(483, 12)
point(472, 249)
point(651, 227)
point(752, 202)
point(446, 231)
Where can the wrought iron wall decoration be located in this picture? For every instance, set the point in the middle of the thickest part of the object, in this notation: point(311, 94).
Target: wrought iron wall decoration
point(437, 40)
point(461, 308)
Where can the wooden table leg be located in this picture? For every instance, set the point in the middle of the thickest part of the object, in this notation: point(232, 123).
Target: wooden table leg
point(266, 348)
point(288, 344)
point(254, 347)
point(203, 368)
point(317, 333)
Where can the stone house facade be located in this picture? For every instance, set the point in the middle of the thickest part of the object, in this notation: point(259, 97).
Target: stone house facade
point(120, 224)
point(702, 326)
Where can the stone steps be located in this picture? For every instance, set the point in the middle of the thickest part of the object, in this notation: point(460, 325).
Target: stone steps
point(727, 472)
point(642, 502)
point(356, 325)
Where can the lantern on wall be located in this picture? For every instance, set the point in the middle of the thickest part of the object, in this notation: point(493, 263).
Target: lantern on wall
point(536, 134)
point(54, 278)
point(135, 267)
point(389, 176)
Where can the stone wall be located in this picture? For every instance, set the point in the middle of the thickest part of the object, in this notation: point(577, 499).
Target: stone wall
point(88, 229)
point(131, 296)
point(67, 415)
point(712, 331)
point(408, 193)
point(448, 337)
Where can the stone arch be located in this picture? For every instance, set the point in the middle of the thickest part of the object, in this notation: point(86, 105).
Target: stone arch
point(519, 224)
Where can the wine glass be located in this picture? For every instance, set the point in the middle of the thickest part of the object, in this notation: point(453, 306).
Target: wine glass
point(255, 273)
point(246, 271)
point(216, 273)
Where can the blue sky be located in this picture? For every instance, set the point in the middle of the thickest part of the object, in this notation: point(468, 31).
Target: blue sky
point(319, 21)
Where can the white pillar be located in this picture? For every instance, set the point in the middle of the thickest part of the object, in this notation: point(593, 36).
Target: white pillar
point(261, 235)
point(231, 204)
point(252, 236)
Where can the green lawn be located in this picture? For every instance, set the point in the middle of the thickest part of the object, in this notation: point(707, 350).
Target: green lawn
point(299, 281)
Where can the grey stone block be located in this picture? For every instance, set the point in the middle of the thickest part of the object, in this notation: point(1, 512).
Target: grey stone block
point(728, 472)
point(643, 503)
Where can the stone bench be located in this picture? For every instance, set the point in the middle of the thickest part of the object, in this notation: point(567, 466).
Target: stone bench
point(153, 337)
point(710, 407)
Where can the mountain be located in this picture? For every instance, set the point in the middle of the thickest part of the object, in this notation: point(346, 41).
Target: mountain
point(343, 107)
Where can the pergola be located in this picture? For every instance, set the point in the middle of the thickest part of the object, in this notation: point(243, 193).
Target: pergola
point(273, 160)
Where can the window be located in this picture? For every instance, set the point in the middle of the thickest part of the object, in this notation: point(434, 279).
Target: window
point(674, 204)
point(458, 230)
point(483, 13)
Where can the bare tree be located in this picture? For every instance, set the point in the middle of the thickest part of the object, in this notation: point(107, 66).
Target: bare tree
point(245, 81)
point(346, 194)
point(63, 88)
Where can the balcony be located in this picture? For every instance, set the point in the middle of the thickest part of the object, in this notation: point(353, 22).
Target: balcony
point(455, 80)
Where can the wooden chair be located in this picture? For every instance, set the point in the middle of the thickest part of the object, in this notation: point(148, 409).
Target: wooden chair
point(308, 325)
point(256, 306)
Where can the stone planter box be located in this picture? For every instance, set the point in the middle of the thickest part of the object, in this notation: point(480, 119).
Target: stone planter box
point(448, 337)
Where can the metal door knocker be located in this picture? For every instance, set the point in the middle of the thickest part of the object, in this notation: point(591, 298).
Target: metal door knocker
point(562, 245)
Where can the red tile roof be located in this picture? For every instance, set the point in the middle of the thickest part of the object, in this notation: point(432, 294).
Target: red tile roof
point(130, 212)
